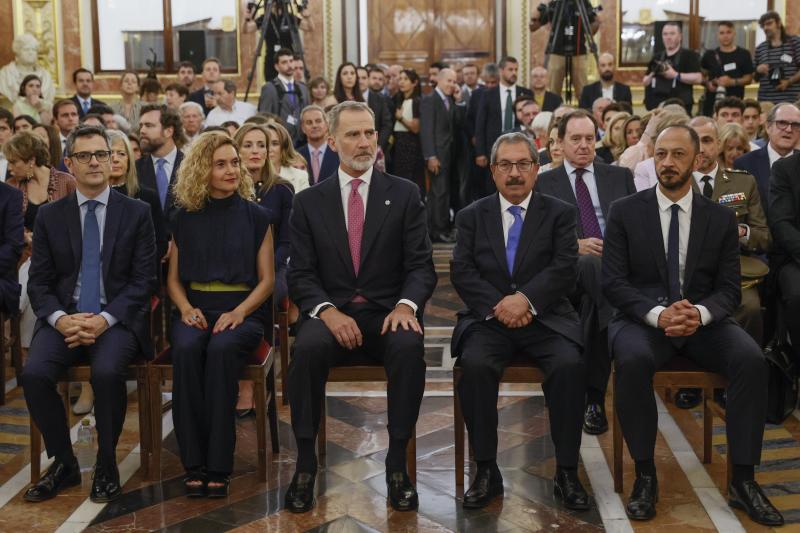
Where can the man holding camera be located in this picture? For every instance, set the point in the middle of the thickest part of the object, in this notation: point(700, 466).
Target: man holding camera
point(777, 62)
point(729, 68)
point(571, 41)
point(672, 72)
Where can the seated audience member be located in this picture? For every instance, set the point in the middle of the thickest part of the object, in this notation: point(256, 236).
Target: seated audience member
point(751, 121)
point(666, 308)
point(539, 128)
point(783, 134)
point(517, 303)
point(632, 128)
point(65, 118)
point(135, 147)
point(175, 95)
point(322, 161)
point(613, 143)
point(644, 175)
point(359, 300)
point(150, 92)
point(728, 109)
point(30, 101)
point(12, 243)
point(553, 151)
point(286, 162)
point(6, 131)
point(24, 123)
point(219, 303)
point(320, 93)
point(633, 155)
point(230, 126)
point(733, 144)
point(274, 194)
point(192, 118)
point(526, 110)
point(204, 96)
point(118, 122)
point(228, 107)
point(185, 74)
point(129, 106)
point(87, 311)
point(598, 111)
point(92, 119)
point(49, 135)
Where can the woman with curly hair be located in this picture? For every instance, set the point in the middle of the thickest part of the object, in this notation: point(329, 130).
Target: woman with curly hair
point(220, 274)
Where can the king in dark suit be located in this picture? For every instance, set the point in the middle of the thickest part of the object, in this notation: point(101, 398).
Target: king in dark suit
point(671, 269)
point(91, 278)
point(514, 265)
point(360, 278)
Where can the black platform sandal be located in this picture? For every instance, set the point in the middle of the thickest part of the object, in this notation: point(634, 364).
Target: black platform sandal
point(218, 491)
point(195, 484)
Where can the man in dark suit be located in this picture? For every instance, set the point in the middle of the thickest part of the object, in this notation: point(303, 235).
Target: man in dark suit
point(591, 193)
point(605, 86)
point(322, 161)
point(6, 131)
point(480, 180)
point(496, 111)
point(366, 301)
point(384, 114)
point(83, 80)
point(204, 96)
point(91, 278)
point(783, 131)
point(548, 101)
point(671, 269)
point(283, 95)
point(440, 114)
point(160, 132)
point(514, 267)
point(11, 244)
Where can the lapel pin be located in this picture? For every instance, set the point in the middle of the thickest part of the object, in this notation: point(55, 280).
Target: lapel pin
point(388, 202)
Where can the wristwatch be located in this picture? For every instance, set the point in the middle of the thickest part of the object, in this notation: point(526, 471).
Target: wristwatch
point(324, 307)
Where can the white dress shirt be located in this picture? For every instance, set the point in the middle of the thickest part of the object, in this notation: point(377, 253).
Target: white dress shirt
point(591, 184)
point(3, 166)
point(239, 112)
point(508, 220)
point(363, 191)
point(100, 214)
point(684, 225)
point(504, 94)
point(608, 92)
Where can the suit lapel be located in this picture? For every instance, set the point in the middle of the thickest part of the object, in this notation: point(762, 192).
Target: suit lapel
point(114, 215)
point(333, 215)
point(378, 206)
point(697, 232)
point(178, 159)
point(604, 187)
point(73, 221)
point(655, 237)
point(494, 230)
point(533, 219)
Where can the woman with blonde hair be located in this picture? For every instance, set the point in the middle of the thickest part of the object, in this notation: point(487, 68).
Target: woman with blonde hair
point(220, 274)
point(613, 143)
point(733, 143)
point(288, 164)
point(129, 106)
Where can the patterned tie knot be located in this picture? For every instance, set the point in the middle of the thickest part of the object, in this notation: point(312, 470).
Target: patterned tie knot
point(579, 172)
point(515, 210)
point(355, 184)
point(91, 205)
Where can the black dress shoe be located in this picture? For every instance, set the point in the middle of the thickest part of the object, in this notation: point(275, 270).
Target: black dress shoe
point(594, 419)
point(445, 238)
point(300, 496)
point(58, 476)
point(402, 493)
point(105, 487)
point(244, 413)
point(487, 484)
point(688, 398)
point(749, 497)
point(642, 503)
point(568, 487)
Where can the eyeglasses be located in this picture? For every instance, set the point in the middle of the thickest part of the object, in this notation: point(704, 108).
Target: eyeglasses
point(84, 157)
point(786, 125)
point(506, 166)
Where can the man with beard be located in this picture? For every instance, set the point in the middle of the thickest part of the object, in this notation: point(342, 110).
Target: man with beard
point(361, 271)
point(160, 136)
point(678, 299)
point(777, 62)
point(606, 86)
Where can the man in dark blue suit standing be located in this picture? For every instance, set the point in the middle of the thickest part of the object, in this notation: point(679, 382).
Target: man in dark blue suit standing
point(322, 161)
point(91, 278)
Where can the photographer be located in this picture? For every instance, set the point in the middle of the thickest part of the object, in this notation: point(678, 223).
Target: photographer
point(672, 72)
point(777, 60)
point(729, 68)
point(570, 42)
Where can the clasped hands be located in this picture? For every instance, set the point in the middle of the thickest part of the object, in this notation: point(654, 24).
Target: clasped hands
point(680, 319)
point(81, 329)
point(348, 334)
point(513, 311)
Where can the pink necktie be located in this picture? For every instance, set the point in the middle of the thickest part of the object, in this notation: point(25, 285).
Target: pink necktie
point(315, 157)
point(355, 223)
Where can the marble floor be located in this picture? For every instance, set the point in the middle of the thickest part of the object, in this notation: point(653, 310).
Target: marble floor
point(352, 491)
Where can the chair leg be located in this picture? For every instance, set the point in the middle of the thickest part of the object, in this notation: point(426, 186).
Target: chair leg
point(36, 453)
point(283, 338)
point(708, 424)
point(16, 346)
point(272, 411)
point(617, 445)
point(458, 429)
point(3, 345)
point(145, 426)
point(154, 400)
point(321, 434)
point(260, 388)
point(411, 456)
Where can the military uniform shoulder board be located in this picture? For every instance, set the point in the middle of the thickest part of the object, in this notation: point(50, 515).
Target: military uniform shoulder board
point(734, 171)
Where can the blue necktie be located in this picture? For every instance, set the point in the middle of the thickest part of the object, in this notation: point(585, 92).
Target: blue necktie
point(162, 181)
point(85, 106)
point(290, 93)
point(514, 233)
point(89, 299)
point(673, 257)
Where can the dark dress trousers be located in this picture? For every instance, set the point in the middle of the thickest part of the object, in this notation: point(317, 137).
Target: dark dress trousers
point(635, 280)
point(12, 242)
point(330, 162)
point(129, 279)
point(593, 91)
point(208, 366)
point(396, 263)
point(545, 272)
point(613, 183)
point(146, 171)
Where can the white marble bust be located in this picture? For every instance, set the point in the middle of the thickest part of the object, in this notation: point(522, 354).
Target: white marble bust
point(26, 50)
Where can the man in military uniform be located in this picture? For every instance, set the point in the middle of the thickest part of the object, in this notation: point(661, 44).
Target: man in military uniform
point(738, 190)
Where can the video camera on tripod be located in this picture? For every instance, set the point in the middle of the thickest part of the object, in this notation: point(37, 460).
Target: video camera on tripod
point(554, 9)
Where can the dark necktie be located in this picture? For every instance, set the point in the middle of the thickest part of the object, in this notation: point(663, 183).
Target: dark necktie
point(514, 233)
point(162, 181)
point(290, 93)
point(589, 222)
point(673, 256)
point(708, 189)
point(508, 118)
point(89, 299)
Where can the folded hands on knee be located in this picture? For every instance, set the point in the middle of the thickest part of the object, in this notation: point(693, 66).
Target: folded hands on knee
point(680, 319)
point(513, 311)
point(81, 329)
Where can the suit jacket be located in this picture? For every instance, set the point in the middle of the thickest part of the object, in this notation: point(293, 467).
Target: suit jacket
point(384, 118)
point(12, 242)
point(274, 99)
point(593, 91)
point(92, 102)
point(437, 127)
point(551, 101)
point(330, 162)
point(128, 262)
point(784, 211)
point(613, 183)
point(545, 266)
point(147, 179)
point(757, 164)
point(199, 97)
point(635, 265)
point(489, 119)
point(473, 104)
point(396, 253)
point(747, 205)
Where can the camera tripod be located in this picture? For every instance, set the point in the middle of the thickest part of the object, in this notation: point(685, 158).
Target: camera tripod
point(558, 24)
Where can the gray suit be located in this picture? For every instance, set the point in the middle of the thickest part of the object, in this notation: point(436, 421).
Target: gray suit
point(274, 99)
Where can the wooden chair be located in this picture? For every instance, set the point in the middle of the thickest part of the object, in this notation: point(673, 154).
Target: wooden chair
point(13, 344)
point(520, 371)
point(260, 369)
point(678, 372)
point(83, 372)
point(283, 346)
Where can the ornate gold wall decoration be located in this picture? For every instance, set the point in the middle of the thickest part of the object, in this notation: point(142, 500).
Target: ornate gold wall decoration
point(38, 17)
